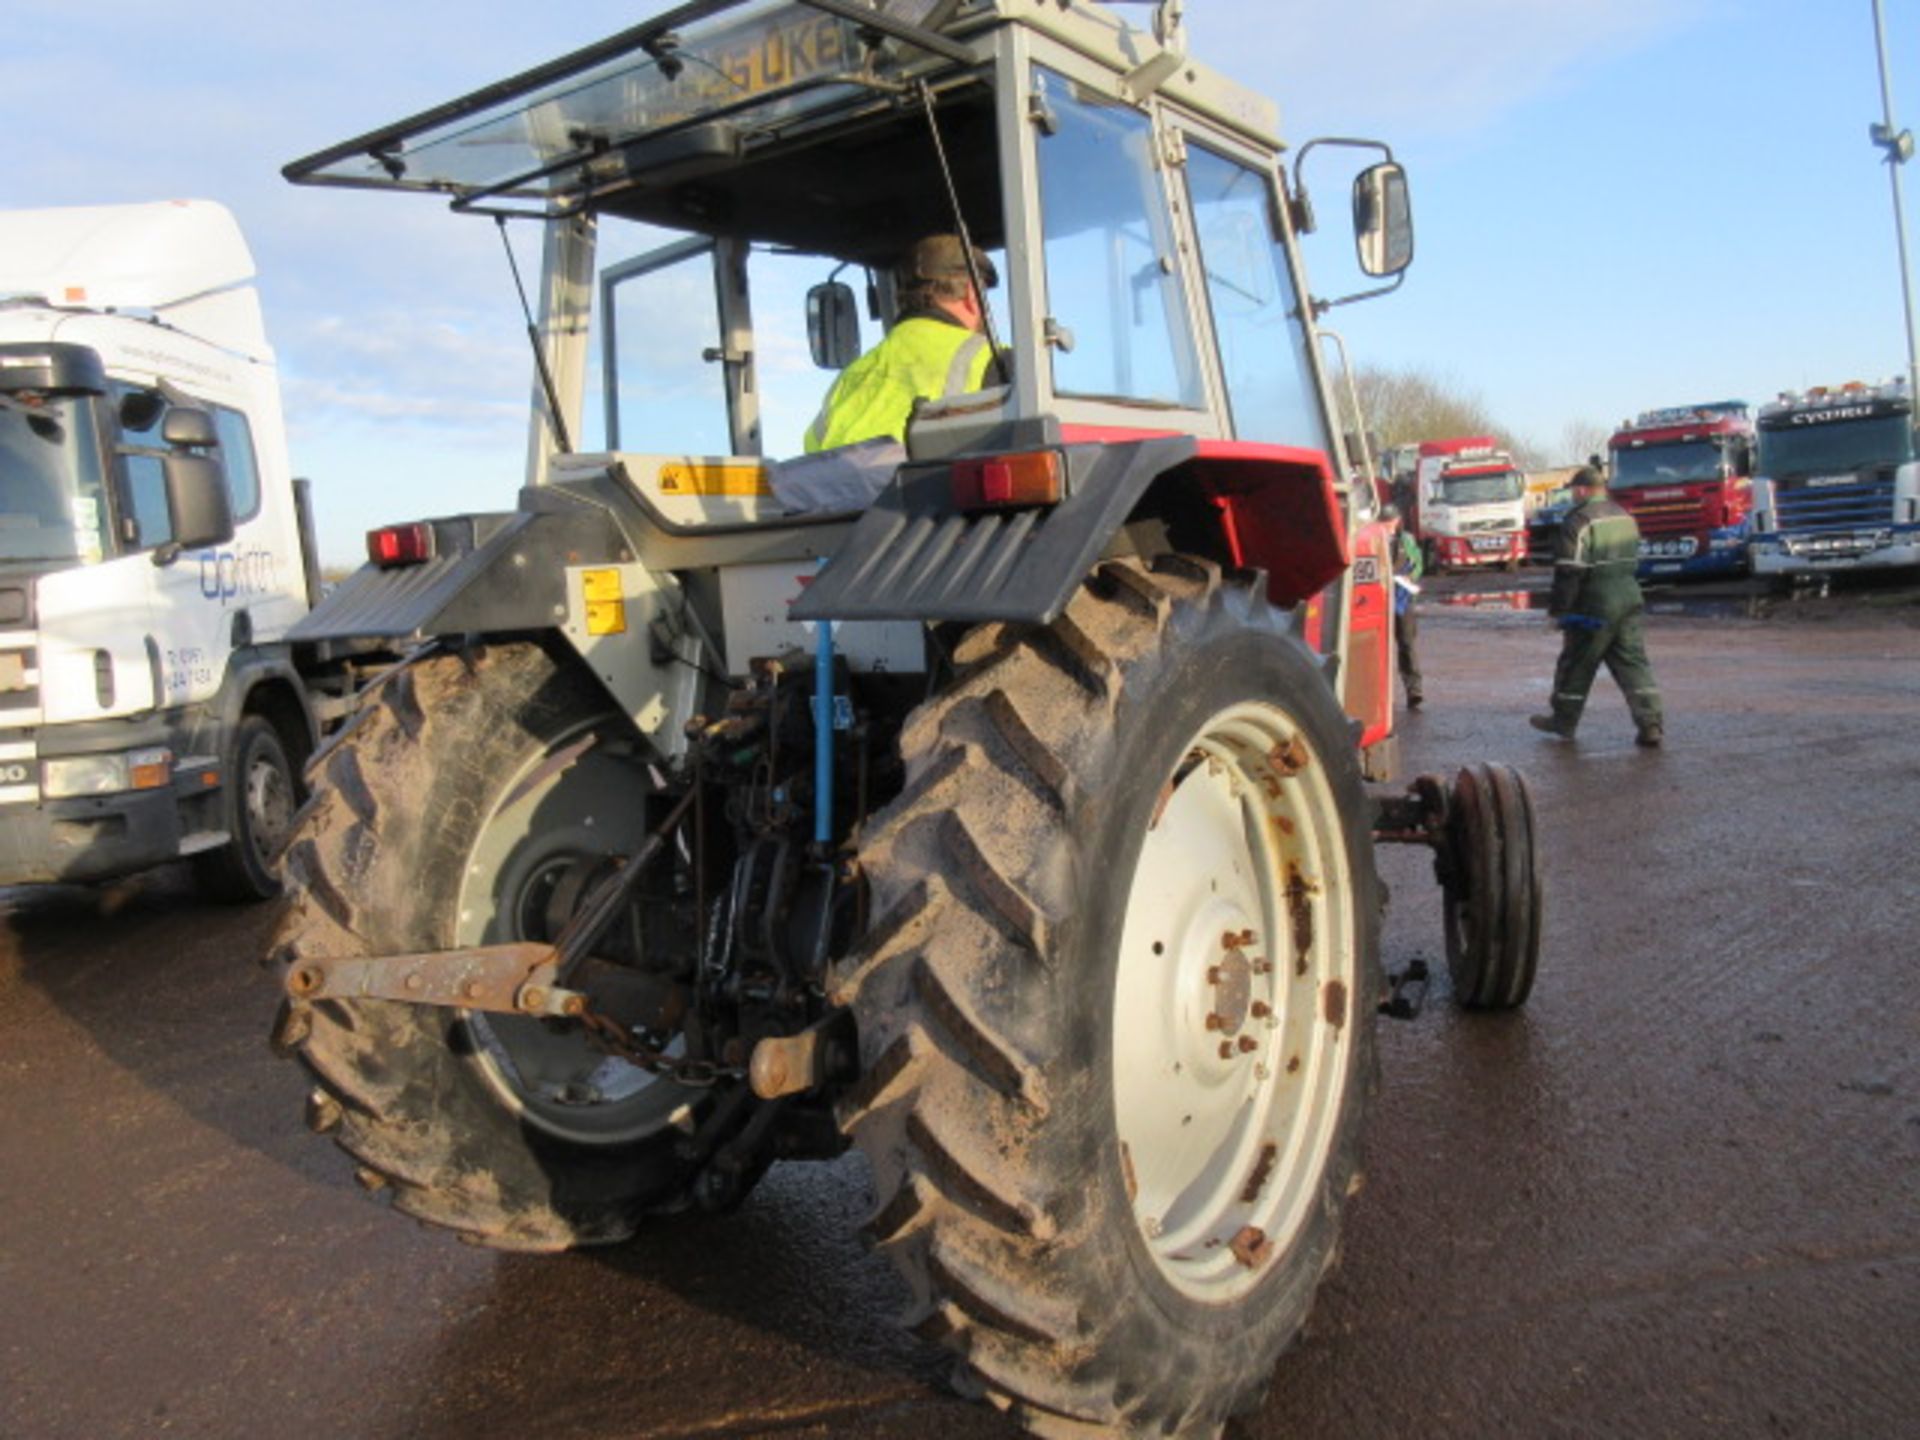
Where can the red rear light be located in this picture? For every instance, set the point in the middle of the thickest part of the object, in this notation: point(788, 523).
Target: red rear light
point(1030, 478)
point(400, 544)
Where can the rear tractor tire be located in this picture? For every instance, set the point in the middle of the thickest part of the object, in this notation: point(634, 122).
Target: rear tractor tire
point(451, 814)
point(1116, 1011)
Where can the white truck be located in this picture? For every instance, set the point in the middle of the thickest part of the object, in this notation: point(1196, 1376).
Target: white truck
point(1469, 504)
point(154, 550)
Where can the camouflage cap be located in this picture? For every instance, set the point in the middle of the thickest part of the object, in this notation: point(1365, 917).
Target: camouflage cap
point(940, 257)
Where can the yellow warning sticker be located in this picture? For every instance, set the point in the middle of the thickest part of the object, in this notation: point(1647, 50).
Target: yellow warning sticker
point(600, 584)
point(678, 478)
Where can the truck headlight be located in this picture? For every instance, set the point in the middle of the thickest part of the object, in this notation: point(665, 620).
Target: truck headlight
point(77, 775)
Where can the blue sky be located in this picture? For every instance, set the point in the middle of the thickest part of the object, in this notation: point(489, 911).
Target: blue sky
point(1619, 203)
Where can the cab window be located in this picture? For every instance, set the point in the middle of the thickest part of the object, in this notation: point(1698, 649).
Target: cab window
point(142, 452)
point(661, 333)
point(236, 457)
point(1271, 391)
point(1119, 322)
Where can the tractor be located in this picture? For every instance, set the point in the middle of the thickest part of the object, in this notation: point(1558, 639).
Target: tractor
point(996, 803)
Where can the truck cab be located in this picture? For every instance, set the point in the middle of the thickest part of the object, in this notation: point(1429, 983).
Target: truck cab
point(1838, 486)
point(152, 552)
point(1469, 504)
point(1683, 474)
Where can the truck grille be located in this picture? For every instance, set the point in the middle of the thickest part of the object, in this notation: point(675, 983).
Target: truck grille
point(1473, 527)
point(1668, 517)
point(1868, 500)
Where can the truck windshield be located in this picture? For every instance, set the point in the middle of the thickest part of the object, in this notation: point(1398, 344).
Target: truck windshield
point(1484, 489)
point(1676, 463)
point(52, 501)
point(1832, 449)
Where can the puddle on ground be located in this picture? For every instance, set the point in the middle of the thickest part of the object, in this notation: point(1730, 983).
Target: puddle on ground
point(1895, 598)
point(1490, 599)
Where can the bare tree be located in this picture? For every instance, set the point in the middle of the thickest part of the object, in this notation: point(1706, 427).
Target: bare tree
point(1406, 406)
point(1582, 439)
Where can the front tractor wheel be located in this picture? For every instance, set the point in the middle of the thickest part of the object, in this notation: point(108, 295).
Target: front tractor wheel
point(466, 804)
point(1116, 1011)
point(1491, 896)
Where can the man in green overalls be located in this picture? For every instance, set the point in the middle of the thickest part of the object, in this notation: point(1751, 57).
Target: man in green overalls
point(1596, 602)
point(935, 350)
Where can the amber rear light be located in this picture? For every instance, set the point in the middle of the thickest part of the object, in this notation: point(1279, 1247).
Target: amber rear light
point(400, 544)
point(994, 481)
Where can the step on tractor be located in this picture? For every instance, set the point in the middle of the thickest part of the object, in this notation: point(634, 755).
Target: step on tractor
point(993, 803)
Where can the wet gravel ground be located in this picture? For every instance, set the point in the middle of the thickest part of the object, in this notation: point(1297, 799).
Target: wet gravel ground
point(1678, 1195)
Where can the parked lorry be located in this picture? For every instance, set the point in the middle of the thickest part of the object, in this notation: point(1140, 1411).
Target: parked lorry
point(1024, 845)
point(1683, 473)
point(1469, 504)
point(154, 551)
point(1838, 486)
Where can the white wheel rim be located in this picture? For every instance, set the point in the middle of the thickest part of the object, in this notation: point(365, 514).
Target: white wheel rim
point(1231, 1050)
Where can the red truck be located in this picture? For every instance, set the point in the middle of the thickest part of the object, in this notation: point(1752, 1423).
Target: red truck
point(1683, 474)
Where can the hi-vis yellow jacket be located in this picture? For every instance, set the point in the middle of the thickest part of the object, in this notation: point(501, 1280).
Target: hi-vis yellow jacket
point(921, 358)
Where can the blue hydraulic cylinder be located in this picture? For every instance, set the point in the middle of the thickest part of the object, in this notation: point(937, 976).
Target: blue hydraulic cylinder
point(823, 731)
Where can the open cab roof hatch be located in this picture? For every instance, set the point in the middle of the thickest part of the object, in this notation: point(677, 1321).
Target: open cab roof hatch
point(673, 95)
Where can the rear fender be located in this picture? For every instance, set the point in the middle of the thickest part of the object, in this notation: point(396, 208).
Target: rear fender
point(912, 556)
point(489, 574)
point(1266, 507)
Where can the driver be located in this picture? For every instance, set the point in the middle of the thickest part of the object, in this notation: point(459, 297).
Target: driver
point(935, 350)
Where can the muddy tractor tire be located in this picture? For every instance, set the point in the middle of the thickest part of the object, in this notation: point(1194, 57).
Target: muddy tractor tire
point(1116, 1008)
point(258, 800)
point(1491, 896)
point(459, 801)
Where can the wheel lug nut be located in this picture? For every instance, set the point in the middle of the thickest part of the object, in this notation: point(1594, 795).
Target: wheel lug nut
point(1261, 1010)
point(1214, 974)
point(1226, 1050)
point(1248, 1044)
point(1216, 1022)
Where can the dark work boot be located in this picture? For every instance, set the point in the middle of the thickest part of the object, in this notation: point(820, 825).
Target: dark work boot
point(1550, 725)
point(1649, 736)
point(1415, 699)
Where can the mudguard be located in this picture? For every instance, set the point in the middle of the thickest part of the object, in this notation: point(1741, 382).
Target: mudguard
point(490, 573)
point(913, 556)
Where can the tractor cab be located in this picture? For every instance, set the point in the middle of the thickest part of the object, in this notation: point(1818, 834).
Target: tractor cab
point(710, 182)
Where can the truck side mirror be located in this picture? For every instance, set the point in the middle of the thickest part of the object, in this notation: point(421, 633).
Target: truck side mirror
point(833, 325)
point(1383, 219)
point(197, 501)
point(188, 428)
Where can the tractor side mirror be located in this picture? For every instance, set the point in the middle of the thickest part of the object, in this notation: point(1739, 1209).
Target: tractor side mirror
point(1383, 219)
point(833, 325)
